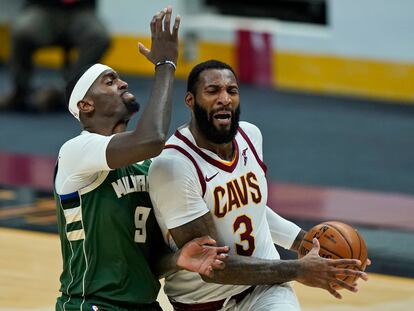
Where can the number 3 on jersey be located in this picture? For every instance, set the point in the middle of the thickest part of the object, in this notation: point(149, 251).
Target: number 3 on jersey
point(246, 235)
point(141, 216)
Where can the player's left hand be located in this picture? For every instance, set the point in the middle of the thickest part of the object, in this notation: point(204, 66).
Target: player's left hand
point(201, 255)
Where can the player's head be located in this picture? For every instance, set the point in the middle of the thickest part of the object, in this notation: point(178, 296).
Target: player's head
point(96, 91)
point(213, 97)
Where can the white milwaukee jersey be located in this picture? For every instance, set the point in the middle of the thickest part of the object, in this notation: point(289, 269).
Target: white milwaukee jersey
point(187, 182)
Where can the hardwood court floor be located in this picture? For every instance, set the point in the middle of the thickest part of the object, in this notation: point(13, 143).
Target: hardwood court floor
point(30, 264)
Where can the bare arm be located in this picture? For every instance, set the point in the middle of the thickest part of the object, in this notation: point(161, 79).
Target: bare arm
point(149, 136)
point(311, 270)
point(239, 270)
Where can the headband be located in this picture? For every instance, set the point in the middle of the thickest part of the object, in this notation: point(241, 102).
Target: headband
point(83, 85)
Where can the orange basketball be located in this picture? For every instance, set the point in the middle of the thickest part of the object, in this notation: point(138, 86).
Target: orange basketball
point(337, 240)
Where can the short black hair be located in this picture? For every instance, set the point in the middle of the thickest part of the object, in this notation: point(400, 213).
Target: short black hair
point(70, 85)
point(199, 68)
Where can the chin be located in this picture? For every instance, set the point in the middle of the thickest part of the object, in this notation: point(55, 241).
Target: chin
point(132, 106)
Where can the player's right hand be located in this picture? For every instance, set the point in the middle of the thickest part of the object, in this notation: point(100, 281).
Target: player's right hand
point(320, 272)
point(164, 42)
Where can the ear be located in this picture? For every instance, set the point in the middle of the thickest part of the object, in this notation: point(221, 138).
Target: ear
point(189, 100)
point(86, 106)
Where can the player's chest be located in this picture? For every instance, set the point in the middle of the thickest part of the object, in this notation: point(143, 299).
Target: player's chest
point(243, 188)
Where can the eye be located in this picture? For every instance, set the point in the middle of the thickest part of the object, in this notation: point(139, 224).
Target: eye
point(211, 90)
point(110, 82)
point(233, 91)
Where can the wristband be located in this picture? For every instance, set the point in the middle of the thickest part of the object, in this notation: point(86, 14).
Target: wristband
point(166, 62)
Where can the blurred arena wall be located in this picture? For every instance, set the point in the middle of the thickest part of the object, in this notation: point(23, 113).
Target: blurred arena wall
point(365, 48)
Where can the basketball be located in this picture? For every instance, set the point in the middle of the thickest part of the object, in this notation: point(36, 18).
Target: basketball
point(337, 241)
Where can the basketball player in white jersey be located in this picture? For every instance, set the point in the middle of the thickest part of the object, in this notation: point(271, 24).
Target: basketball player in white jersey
point(211, 179)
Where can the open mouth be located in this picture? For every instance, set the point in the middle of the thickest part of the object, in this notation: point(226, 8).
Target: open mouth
point(222, 117)
point(127, 97)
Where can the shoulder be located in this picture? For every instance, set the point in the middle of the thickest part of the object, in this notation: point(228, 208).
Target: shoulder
point(250, 129)
point(252, 132)
point(80, 142)
point(171, 160)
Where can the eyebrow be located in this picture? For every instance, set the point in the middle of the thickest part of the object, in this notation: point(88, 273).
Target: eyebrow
point(218, 85)
point(112, 74)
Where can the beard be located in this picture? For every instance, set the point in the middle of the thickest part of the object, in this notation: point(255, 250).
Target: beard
point(208, 130)
point(132, 106)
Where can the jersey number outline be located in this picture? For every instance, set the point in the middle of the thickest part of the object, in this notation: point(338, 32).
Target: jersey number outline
point(140, 218)
point(246, 235)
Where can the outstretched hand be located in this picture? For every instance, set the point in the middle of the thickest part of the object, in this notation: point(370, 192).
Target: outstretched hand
point(164, 42)
point(202, 256)
point(320, 272)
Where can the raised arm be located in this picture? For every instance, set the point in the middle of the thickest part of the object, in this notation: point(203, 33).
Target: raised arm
point(149, 136)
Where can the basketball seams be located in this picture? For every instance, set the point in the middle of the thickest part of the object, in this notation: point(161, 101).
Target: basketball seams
point(361, 248)
point(345, 241)
point(347, 278)
point(343, 235)
point(324, 248)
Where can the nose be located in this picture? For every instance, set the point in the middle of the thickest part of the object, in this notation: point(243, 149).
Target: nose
point(122, 84)
point(224, 98)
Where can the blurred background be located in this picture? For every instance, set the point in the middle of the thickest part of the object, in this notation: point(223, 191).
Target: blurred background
point(329, 82)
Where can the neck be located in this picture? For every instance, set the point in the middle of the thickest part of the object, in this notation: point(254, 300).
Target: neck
point(224, 151)
point(103, 128)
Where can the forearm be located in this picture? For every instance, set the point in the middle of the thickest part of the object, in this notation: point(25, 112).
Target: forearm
point(155, 120)
point(148, 139)
point(241, 270)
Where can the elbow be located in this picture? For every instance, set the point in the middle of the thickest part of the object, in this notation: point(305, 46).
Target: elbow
point(157, 145)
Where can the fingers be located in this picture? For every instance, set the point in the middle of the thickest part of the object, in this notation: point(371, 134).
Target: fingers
point(205, 240)
point(218, 265)
point(143, 50)
point(316, 246)
point(167, 19)
point(176, 27)
point(208, 241)
point(342, 284)
point(158, 22)
point(351, 272)
point(152, 26)
point(222, 256)
point(223, 249)
point(345, 262)
point(163, 18)
point(334, 292)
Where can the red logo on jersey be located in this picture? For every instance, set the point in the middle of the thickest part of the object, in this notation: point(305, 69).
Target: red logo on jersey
point(244, 156)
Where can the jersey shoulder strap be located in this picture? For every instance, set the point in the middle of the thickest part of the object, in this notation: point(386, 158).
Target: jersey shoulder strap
point(191, 158)
point(253, 149)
